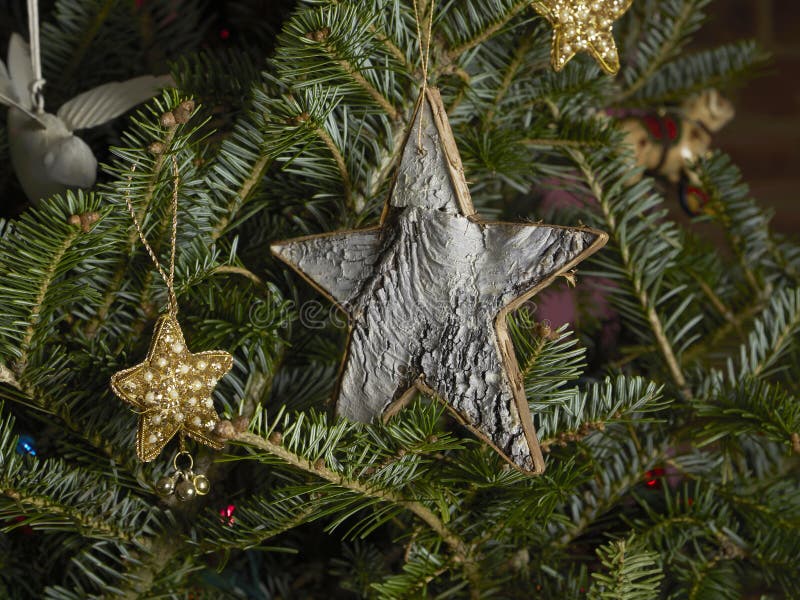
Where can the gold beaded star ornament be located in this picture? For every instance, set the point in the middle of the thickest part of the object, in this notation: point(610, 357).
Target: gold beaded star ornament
point(171, 389)
point(583, 26)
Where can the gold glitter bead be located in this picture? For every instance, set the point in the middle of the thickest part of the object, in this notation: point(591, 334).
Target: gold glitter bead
point(165, 486)
point(202, 485)
point(185, 490)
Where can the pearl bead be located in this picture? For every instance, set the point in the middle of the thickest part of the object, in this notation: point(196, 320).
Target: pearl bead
point(157, 419)
point(152, 438)
point(177, 347)
point(184, 369)
point(197, 384)
point(209, 402)
point(178, 416)
point(173, 393)
point(192, 401)
point(148, 376)
point(196, 421)
point(202, 365)
point(150, 397)
point(162, 362)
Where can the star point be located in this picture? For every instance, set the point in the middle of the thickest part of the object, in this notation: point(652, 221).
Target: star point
point(428, 292)
point(172, 390)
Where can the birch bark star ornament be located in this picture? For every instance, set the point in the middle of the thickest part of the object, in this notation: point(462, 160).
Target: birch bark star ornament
point(428, 292)
point(583, 26)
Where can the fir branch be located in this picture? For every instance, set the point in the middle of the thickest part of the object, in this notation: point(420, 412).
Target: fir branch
point(241, 165)
point(120, 190)
point(510, 75)
point(719, 68)
point(622, 465)
point(490, 28)
point(662, 41)
point(257, 172)
point(774, 334)
point(624, 400)
point(49, 274)
point(53, 496)
point(632, 572)
point(631, 257)
point(319, 38)
point(460, 549)
point(41, 259)
point(420, 568)
point(337, 155)
point(744, 223)
point(88, 33)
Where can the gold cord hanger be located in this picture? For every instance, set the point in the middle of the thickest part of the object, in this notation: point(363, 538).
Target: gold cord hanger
point(425, 54)
point(169, 279)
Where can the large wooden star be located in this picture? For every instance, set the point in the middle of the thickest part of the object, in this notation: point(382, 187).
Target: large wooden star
point(428, 291)
point(583, 26)
point(171, 390)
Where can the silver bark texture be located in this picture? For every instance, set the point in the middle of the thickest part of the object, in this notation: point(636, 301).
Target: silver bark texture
point(428, 291)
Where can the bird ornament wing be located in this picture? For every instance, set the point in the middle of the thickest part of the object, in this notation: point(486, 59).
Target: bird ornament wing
point(108, 101)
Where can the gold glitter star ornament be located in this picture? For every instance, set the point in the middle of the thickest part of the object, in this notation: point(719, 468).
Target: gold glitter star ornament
point(172, 390)
point(583, 26)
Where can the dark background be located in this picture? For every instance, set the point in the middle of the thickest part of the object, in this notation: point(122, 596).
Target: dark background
point(764, 138)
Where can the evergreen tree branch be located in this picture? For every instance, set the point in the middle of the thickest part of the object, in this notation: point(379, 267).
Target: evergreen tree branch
point(47, 278)
point(686, 17)
point(86, 39)
point(623, 465)
point(243, 271)
point(257, 172)
point(773, 335)
point(713, 339)
point(51, 495)
point(362, 82)
point(509, 76)
point(58, 516)
point(461, 550)
point(632, 572)
point(629, 264)
point(487, 32)
point(118, 278)
point(337, 155)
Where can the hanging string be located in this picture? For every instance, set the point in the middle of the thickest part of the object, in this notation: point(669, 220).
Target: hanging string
point(169, 278)
point(37, 85)
point(425, 56)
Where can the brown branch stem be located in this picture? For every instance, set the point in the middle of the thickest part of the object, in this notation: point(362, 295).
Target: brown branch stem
point(461, 551)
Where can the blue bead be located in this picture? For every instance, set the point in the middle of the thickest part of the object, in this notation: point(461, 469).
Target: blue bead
point(25, 445)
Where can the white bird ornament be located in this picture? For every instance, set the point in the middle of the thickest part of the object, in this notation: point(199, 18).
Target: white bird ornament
point(48, 157)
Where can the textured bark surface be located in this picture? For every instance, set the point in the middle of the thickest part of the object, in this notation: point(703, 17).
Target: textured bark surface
point(428, 292)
